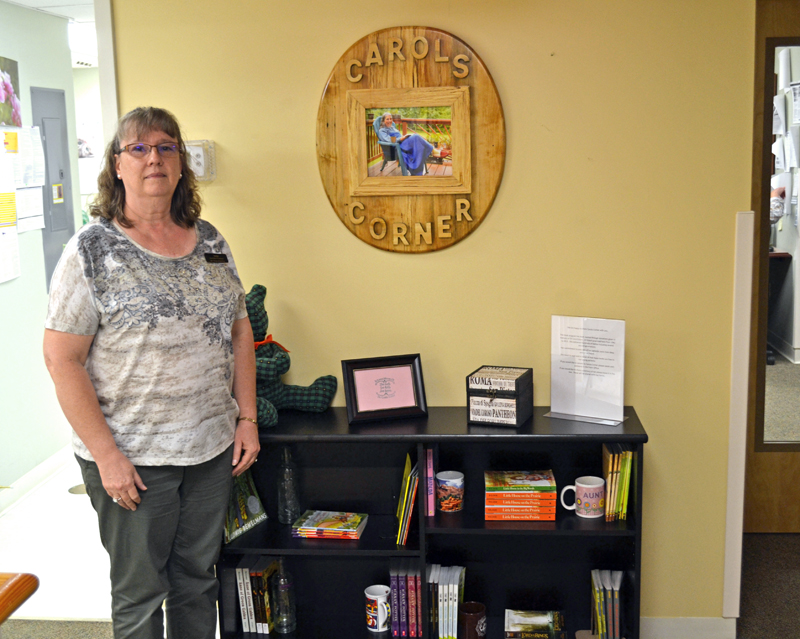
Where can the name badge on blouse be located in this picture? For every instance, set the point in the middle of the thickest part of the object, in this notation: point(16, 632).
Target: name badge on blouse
point(216, 258)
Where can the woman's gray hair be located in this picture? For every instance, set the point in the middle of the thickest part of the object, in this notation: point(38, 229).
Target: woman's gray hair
point(383, 116)
point(110, 199)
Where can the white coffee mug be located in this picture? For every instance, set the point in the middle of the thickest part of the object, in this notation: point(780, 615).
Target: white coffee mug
point(379, 612)
point(590, 496)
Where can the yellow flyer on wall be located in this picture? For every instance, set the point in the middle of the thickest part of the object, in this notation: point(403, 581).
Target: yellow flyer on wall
point(587, 369)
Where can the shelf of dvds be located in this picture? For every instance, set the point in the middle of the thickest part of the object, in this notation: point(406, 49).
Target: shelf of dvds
point(525, 565)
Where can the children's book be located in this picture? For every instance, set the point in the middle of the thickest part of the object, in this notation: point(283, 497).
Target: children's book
point(411, 588)
point(246, 591)
point(245, 509)
point(442, 596)
point(420, 595)
point(436, 570)
point(431, 464)
point(394, 588)
point(402, 579)
point(458, 594)
point(329, 523)
point(616, 584)
point(519, 481)
point(408, 509)
point(532, 624)
point(242, 584)
point(605, 579)
point(264, 570)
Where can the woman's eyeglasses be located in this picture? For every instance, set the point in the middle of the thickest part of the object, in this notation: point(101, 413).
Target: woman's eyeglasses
point(141, 150)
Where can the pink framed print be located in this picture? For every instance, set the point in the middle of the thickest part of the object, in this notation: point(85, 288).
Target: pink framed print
point(384, 388)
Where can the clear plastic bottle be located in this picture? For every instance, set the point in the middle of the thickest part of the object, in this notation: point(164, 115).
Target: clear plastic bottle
point(284, 612)
point(288, 504)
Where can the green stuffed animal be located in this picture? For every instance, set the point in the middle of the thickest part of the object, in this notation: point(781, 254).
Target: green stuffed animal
point(272, 361)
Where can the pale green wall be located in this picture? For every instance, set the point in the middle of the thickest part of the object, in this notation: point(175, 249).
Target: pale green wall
point(32, 427)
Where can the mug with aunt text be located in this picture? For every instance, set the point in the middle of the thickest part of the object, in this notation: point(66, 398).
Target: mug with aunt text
point(590, 493)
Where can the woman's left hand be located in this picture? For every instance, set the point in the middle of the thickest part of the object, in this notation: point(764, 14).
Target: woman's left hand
point(245, 446)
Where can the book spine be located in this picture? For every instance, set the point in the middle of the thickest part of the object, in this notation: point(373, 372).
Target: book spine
point(453, 598)
point(545, 499)
point(248, 592)
point(521, 490)
point(395, 595)
point(242, 600)
point(412, 603)
point(403, 605)
point(520, 510)
point(440, 588)
point(521, 517)
point(418, 580)
point(255, 579)
point(430, 488)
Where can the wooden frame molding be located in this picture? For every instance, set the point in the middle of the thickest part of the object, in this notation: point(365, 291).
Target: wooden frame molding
point(357, 104)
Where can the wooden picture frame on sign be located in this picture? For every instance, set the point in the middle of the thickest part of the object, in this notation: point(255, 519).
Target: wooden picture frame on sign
point(459, 179)
point(388, 192)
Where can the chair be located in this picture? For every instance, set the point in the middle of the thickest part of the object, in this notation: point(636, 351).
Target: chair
point(390, 150)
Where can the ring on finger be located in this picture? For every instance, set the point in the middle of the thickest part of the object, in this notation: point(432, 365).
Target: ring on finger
point(115, 500)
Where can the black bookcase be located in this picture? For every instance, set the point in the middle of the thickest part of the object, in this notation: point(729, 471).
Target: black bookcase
point(522, 565)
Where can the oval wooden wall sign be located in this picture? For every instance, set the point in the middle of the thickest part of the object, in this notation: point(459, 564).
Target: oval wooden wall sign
point(411, 139)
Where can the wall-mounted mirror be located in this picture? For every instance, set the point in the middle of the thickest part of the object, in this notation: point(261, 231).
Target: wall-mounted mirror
point(777, 426)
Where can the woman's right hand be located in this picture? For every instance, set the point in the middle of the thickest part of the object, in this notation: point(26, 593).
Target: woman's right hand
point(121, 480)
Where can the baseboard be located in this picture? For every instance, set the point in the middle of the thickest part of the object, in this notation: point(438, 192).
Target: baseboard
point(35, 477)
point(783, 347)
point(687, 628)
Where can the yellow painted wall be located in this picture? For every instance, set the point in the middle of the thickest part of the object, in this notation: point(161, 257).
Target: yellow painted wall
point(629, 136)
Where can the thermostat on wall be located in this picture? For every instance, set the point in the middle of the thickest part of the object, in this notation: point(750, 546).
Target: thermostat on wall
point(202, 159)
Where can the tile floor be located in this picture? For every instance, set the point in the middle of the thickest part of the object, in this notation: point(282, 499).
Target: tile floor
point(53, 534)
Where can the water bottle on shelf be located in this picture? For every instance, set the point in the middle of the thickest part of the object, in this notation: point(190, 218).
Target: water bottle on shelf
point(284, 612)
point(288, 504)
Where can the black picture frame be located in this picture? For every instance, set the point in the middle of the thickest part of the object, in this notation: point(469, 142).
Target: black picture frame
point(403, 392)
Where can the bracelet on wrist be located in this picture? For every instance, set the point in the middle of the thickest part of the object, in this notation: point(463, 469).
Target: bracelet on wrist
point(247, 419)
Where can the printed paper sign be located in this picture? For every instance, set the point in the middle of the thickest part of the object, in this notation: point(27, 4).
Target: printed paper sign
point(587, 373)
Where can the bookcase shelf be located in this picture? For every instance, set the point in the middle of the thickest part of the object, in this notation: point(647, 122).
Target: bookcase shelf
point(377, 540)
point(524, 565)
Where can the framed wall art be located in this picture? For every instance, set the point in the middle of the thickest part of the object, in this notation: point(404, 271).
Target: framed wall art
point(384, 388)
point(410, 139)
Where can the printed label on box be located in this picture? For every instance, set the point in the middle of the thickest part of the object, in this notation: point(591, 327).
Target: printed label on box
point(495, 377)
point(494, 411)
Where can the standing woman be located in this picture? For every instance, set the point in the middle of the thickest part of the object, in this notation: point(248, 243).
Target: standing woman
point(151, 352)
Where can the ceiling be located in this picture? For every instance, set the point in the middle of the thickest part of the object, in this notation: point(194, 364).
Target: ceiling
point(82, 36)
point(77, 10)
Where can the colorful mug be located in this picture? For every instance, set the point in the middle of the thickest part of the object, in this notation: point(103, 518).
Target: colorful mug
point(449, 491)
point(590, 497)
point(379, 612)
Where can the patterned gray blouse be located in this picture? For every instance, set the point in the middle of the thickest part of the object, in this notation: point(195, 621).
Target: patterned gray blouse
point(162, 357)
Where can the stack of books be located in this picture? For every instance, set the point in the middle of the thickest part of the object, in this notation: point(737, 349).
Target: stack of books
point(329, 524)
point(405, 584)
point(253, 581)
point(520, 495)
point(534, 624)
point(445, 593)
point(405, 503)
point(605, 604)
point(618, 467)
